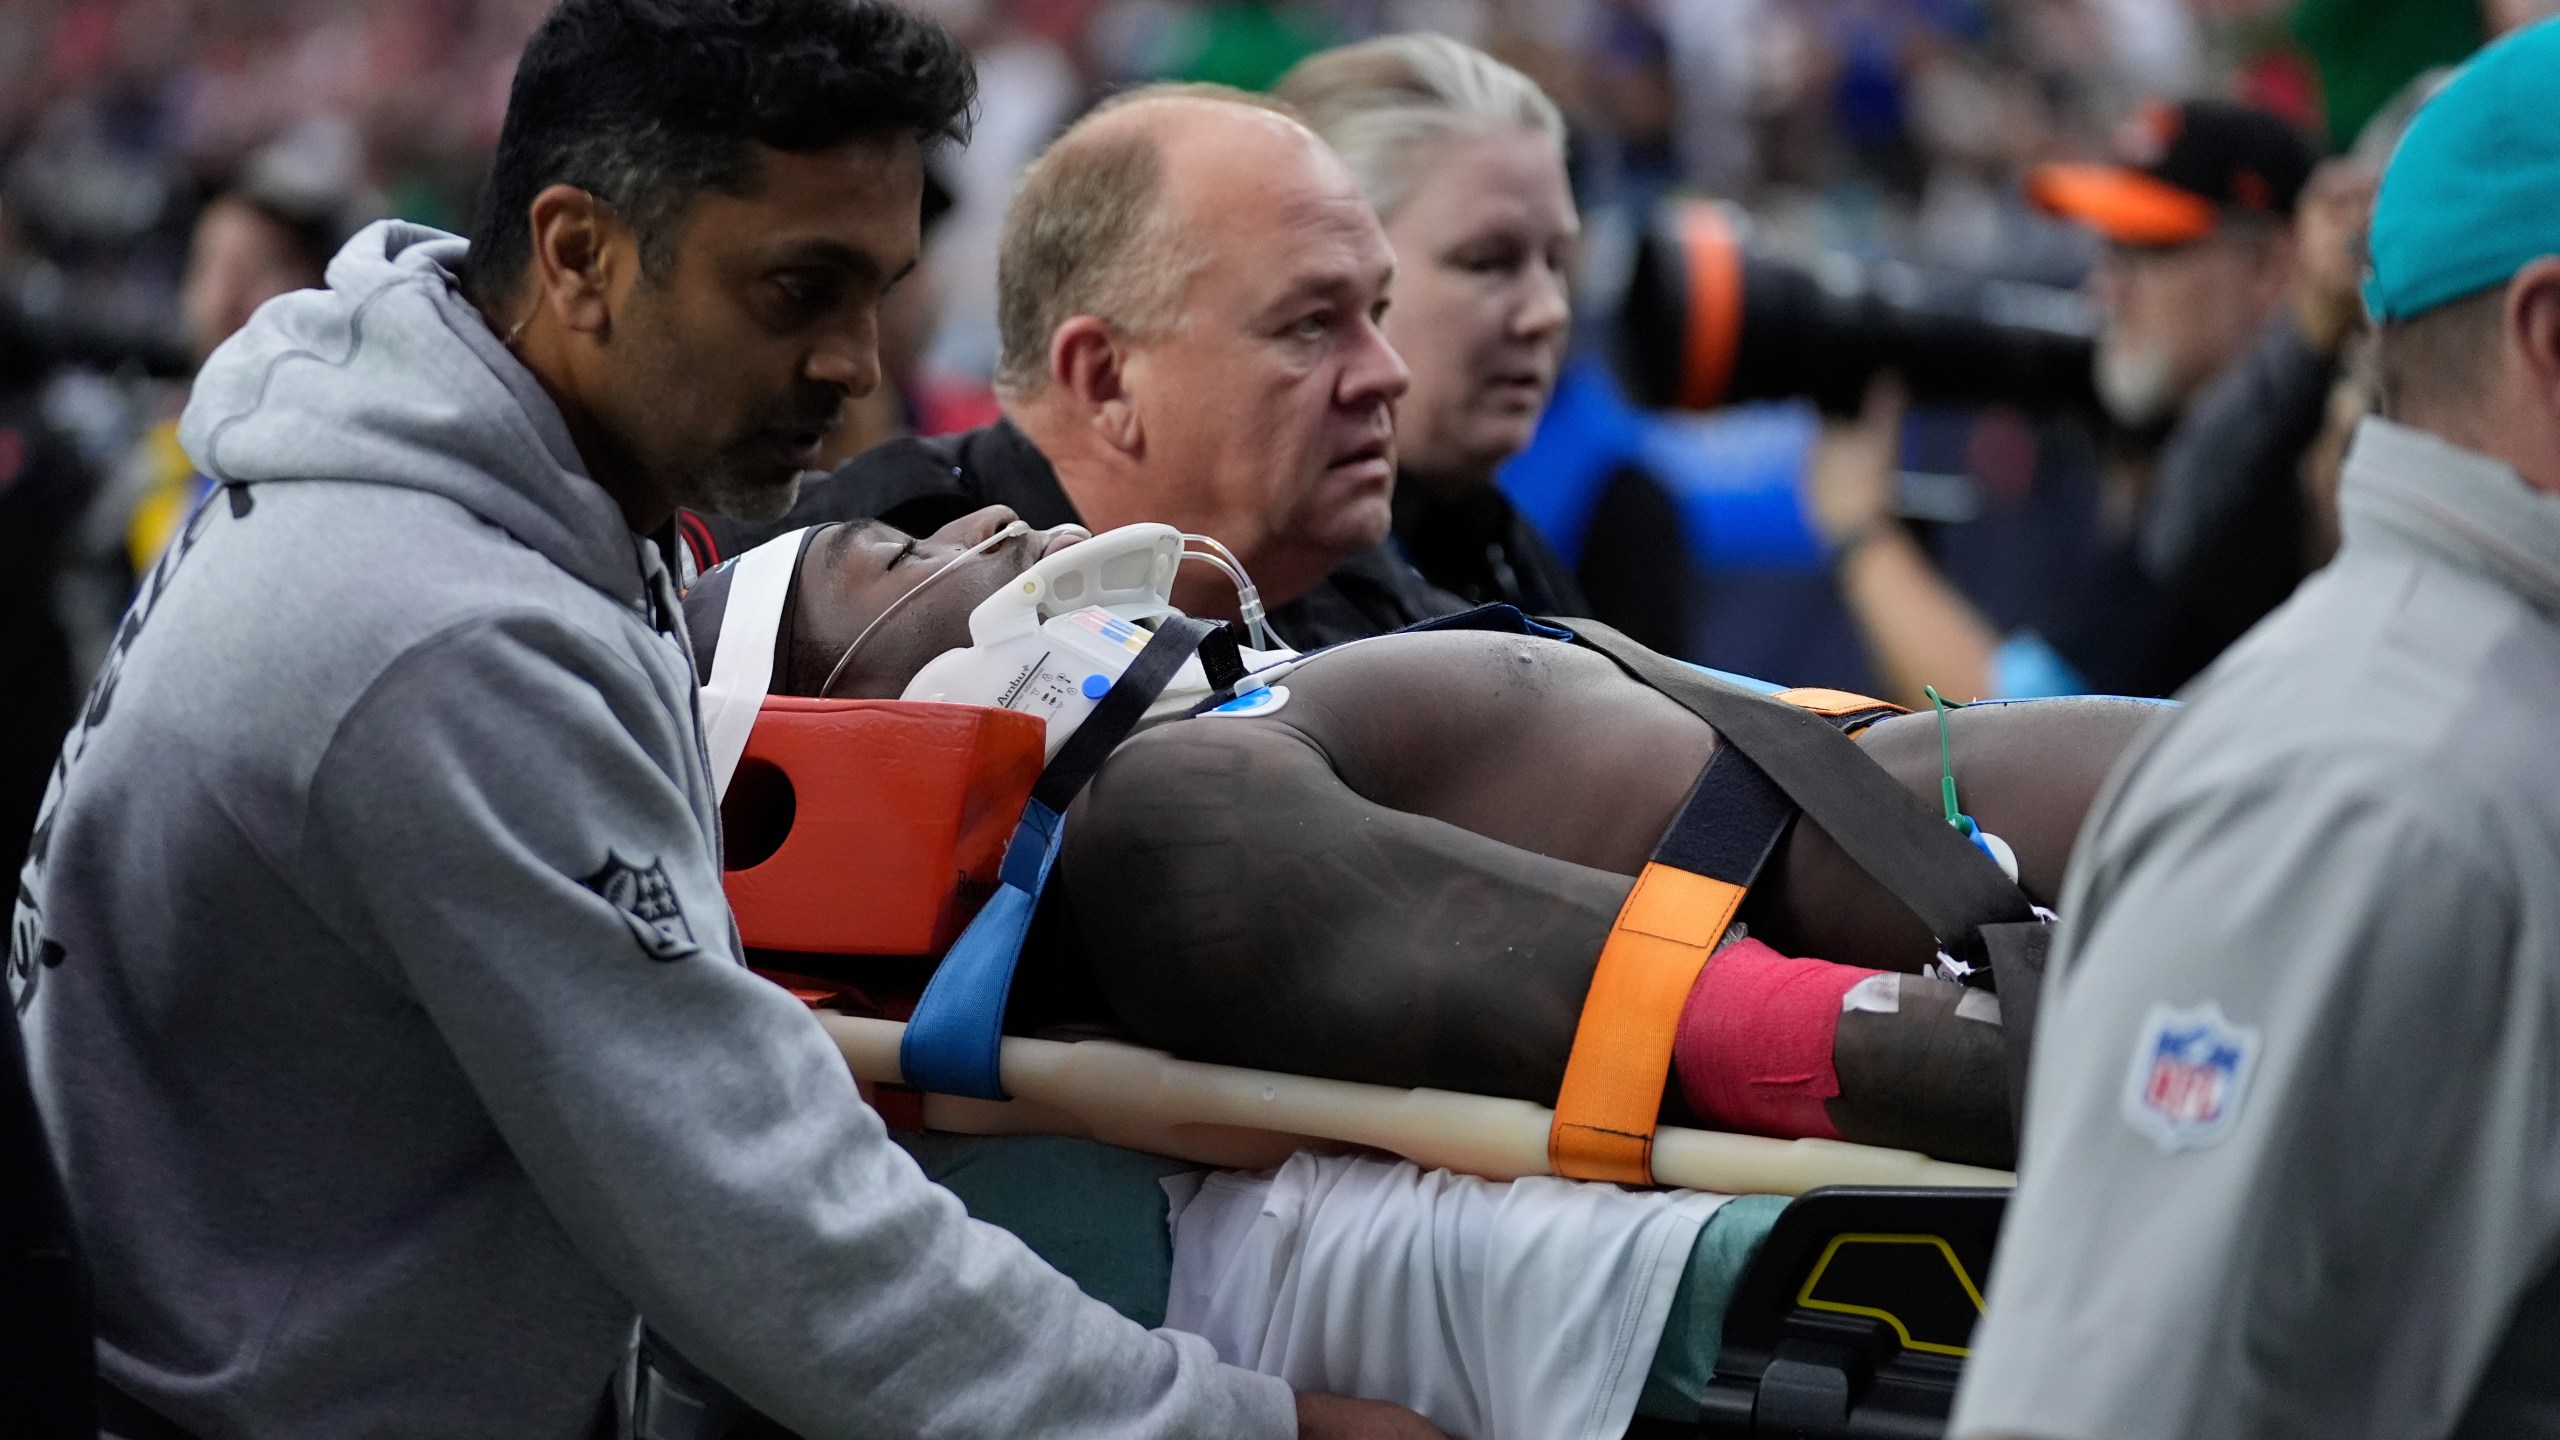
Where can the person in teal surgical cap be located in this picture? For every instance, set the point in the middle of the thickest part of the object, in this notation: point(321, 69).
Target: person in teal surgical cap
point(2292, 1155)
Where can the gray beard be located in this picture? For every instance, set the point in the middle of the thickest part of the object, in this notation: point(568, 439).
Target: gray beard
point(756, 502)
point(2139, 388)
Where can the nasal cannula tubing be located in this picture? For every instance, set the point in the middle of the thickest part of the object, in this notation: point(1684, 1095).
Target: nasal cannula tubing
point(1248, 598)
point(1013, 531)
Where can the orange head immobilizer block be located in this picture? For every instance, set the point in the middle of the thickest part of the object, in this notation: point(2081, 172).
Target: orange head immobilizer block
point(872, 827)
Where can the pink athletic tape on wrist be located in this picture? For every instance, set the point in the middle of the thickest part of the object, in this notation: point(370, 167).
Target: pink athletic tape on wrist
point(1754, 1049)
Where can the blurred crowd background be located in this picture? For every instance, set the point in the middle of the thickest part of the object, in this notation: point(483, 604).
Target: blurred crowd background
point(166, 164)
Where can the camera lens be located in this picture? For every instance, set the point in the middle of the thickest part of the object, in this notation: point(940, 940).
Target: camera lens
point(1708, 320)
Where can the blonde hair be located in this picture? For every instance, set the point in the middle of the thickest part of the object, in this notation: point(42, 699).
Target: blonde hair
point(1381, 103)
point(1086, 235)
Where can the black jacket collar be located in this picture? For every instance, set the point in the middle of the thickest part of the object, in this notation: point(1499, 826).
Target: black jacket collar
point(922, 485)
point(1481, 549)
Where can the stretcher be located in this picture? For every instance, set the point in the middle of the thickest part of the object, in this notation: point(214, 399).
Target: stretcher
point(883, 841)
point(1834, 1313)
point(1842, 1312)
point(1810, 1306)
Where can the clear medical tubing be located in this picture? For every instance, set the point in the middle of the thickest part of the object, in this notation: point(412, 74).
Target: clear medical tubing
point(1248, 598)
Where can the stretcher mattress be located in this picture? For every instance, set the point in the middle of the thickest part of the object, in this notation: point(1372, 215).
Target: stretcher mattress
point(1097, 1214)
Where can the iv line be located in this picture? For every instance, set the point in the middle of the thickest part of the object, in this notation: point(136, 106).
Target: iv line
point(1248, 598)
point(1947, 765)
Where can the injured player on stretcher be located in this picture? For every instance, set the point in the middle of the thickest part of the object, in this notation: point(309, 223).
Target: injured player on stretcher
point(1405, 874)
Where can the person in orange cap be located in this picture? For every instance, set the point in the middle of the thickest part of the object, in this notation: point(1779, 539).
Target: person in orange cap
point(2196, 214)
point(2226, 280)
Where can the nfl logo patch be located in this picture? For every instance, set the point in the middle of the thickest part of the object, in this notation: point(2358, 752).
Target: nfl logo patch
point(646, 900)
point(2190, 1071)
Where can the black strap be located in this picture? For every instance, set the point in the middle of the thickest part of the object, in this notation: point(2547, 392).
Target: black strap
point(1922, 861)
point(1731, 823)
point(1220, 660)
point(2017, 955)
point(1176, 639)
point(1973, 908)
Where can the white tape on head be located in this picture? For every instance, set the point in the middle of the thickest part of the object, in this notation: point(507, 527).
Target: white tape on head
point(742, 657)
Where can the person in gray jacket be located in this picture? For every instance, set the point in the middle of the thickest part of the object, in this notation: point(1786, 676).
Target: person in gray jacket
point(2290, 1165)
point(381, 1001)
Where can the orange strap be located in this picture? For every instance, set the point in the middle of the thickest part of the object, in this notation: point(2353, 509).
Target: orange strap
point(1836, 702)
point(1611, 1100)
point(1612, 1094)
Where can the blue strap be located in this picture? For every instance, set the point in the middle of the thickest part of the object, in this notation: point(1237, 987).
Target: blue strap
point(953, 1040)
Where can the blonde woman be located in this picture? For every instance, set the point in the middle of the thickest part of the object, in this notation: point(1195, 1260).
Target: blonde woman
point(1463, 157)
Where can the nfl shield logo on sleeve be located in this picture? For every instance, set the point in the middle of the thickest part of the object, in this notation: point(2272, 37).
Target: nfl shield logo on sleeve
point(646, 900)
point(2190, 1072)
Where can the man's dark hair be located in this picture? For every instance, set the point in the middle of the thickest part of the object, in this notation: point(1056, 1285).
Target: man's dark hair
point(648, 103)
point(313, 225)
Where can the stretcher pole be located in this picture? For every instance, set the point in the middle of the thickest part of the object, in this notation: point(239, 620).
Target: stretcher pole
point(1222, 1115)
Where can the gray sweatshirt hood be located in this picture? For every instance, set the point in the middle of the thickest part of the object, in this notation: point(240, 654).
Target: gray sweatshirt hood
point(402, 800)
point(390, 377)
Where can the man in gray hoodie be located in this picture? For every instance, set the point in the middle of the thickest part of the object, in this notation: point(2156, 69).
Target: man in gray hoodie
point(381, 1000)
